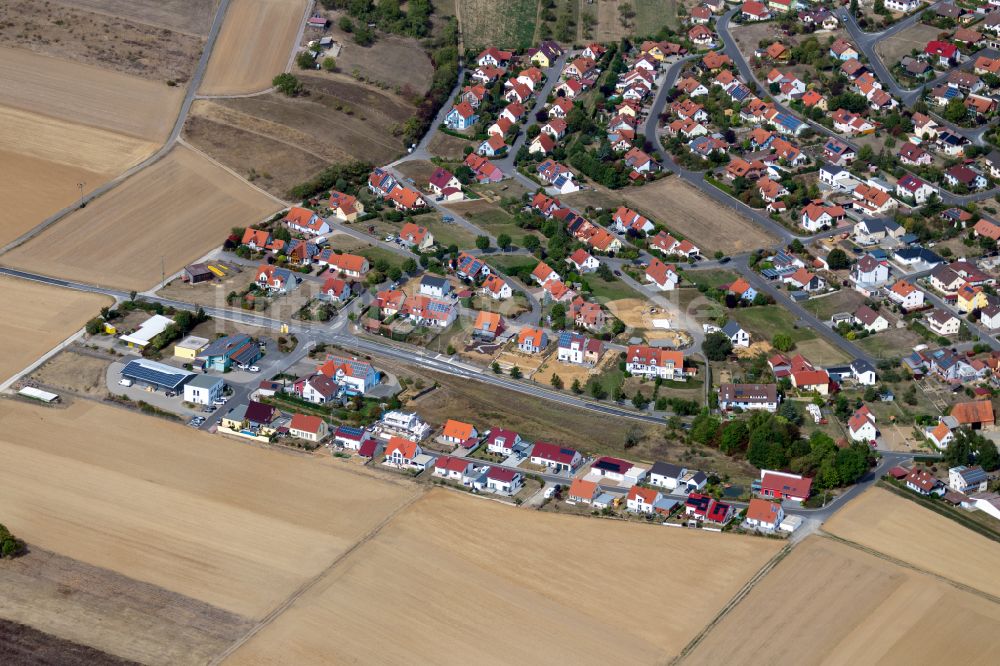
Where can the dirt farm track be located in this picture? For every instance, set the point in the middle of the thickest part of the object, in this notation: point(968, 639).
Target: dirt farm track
point(253, 46)
point(177, 209)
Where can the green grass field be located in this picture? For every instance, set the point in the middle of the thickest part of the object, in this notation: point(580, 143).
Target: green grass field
point(763, 322)
point(651, 15)
point(610, 291)
point(498, 221)
point(845, 300)
point(507, 24)
point(712, 277)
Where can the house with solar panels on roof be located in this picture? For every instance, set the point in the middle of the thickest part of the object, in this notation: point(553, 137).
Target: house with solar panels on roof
point(222, 354)
point(354, 376)
point(144, 372)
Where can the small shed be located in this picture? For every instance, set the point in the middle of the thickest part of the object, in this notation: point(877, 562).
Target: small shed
point(196, 273)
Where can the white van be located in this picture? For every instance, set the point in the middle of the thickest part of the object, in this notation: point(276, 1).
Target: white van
point(125, 382)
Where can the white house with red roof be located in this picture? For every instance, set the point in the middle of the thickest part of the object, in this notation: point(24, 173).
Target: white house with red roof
point(503, 481)
point(555, 457)
point(861, 425)
point(494, 57)
point(906, 295)
point(783, 485)
point(642, 500)
point(496, 288)
point(626, 219)
point(646, 361)
point(452, 468)
point(501, 442)
point(764, 514)
point(583, 261)
point(664, 276)
point(306, 221)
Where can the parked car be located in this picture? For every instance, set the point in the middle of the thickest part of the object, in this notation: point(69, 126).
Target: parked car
point(253, 368)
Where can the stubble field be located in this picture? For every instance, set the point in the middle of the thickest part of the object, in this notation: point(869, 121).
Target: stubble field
point(687, 211)
point(906, 531)
point(43, 162)
point(829, 603)
point(37, 318)
point(227, 525)
point(176, 209)
point(256, 39)
point(468, 571)
point(88, 95)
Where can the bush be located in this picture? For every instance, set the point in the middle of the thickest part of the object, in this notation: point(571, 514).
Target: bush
point(288, 84)
point(10, 545)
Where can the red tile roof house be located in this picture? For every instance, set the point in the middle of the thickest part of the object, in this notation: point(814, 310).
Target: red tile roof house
point(457, 433)
point(764, 514)
point(532, 340)
point(400, 452)
point(501, 442)
point(664, 276)
point(305, 221)
point(583, 261)
point(782, 485)
point(555, 457)
point(641, 500)
point(923, 482)
point(335, 289)
point(452, 468)
point(308, 428)
point(502, 481)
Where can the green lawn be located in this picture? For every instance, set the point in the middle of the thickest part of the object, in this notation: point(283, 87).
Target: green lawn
point(893, 343)
point(610, 291)
point(508, 262)
point(845, 300)
point(613, 377)
point(497, 221)
point(446, 234)
point(374, 254)
point(712, 277)
point(508, 24)
point(763, 322)
point(651, 15)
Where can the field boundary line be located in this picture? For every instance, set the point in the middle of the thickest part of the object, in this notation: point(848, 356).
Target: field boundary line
point(211, 159)
point(298, 36)
point(159, 154)
point(309, 584)
point(902, 563)
point(740, 595)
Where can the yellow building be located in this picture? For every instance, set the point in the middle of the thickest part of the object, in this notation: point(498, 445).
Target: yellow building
point(189, 347)
point(970, 298)
point(541, 60)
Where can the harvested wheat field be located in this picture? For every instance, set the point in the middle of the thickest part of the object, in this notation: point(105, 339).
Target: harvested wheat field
point(687, 211)
point(254, 45)
point(829, 603)
point(176, 209)
point(902, 529)
point(231, 525)
point(88, 95)
point(433, 572)
point(43, 161)
point(37, 317)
